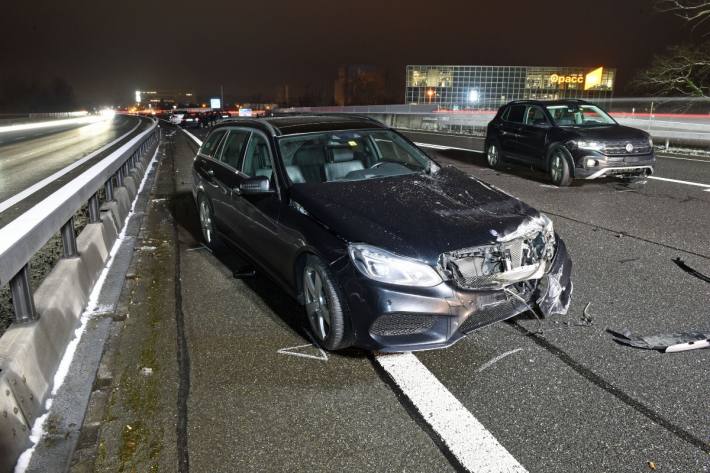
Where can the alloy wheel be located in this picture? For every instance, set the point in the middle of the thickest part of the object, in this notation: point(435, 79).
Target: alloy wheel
point(206, 221)
point(492, 156)
point(557, 167)
point(317, 307)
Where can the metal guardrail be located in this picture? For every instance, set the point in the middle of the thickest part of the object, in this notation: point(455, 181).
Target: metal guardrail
point(669, 128)
point(23, 237)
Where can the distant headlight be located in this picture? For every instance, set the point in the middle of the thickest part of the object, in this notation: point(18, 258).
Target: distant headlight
point(386, 267)
point(588, 145)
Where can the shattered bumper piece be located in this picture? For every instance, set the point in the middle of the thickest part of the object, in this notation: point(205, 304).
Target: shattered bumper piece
point(555, 288)
point(667, 342)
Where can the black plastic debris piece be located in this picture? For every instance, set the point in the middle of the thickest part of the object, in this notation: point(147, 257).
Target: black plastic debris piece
point(681, 264)
point(667, 342)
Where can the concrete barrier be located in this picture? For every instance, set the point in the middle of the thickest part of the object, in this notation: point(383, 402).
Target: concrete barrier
point(30, 353)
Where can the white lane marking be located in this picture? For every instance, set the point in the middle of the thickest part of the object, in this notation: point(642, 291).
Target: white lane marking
point(194, 138)
point(24, 224)
point(678, 181)
point(495, 360)
point(51, 124)
point(47, 180)
point(467, 439)
point(92, 309)
point(706, 161)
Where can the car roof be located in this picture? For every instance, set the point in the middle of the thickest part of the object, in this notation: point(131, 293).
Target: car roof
point(291, 124)
point(545, 103)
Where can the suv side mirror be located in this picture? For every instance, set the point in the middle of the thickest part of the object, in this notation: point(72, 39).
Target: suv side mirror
point(254, 185)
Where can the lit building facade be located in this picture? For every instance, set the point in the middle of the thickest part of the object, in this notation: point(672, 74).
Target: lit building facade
point(472, 87)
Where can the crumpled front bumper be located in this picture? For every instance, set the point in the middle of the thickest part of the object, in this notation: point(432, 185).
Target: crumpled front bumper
point(393, 318)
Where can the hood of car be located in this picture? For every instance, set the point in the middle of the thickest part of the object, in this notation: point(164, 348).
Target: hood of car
point(417, 215)
point(607, 133)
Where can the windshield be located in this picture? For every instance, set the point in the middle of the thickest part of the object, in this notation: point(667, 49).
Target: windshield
point(350, 156)
point(579, 115)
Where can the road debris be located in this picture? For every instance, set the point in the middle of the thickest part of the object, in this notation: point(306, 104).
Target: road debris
point(651, 465)
point(681, 264)
point(668, 342)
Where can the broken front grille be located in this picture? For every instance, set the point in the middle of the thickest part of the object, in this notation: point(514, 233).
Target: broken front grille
point(500, 264)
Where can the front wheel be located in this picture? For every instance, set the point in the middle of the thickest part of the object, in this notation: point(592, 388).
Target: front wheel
point(323, 306)
point(560, 173)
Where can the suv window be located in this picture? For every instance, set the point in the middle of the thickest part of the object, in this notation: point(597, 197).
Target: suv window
point(209, 147)
point(233, 147)
point(535, 116)
point(257, 160)
point(516, 113)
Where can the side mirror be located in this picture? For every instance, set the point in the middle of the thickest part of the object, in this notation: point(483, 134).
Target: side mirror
point(255, 185)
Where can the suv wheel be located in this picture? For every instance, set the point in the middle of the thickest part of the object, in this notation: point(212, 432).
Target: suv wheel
point(493, 155)
point(560, 174)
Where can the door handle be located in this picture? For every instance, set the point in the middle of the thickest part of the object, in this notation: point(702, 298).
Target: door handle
point(210, 172)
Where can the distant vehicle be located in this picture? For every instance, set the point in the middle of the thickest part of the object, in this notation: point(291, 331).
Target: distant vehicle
point(569, 139)
point(187, 119)
point(386, 249)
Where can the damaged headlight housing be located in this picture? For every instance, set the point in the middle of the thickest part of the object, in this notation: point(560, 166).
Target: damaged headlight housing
point(381, 265)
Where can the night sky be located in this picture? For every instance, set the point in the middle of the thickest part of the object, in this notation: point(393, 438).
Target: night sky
point(105, 50)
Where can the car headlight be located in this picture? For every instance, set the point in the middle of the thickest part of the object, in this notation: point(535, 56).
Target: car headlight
point(589, 145)
point(650, 141)
point(383, 266)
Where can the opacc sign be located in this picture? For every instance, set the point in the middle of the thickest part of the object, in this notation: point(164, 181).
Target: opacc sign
point(591, 80)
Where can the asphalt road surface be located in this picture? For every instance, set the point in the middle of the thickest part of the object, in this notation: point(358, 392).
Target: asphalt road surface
point(558, 395)
point(31, 159)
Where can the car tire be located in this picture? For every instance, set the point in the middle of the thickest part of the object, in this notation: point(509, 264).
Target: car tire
point(559, 169)
point(323, 305)
point(207, 226)
point(494, 157)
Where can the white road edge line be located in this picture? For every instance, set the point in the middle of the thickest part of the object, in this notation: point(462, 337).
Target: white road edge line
point(429, 145)
point(38, 428)
point(467, 439)
point(194, 138)
point(678, 181)
point(47, 180)
point(706, 161)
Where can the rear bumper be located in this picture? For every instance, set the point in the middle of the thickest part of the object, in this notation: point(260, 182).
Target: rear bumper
point(394, 318)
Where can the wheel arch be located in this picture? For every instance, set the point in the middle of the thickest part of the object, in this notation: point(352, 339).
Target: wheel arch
point(568, 157)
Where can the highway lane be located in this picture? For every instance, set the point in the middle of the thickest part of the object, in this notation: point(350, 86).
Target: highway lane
point(559, 395)
point(28, 156)
point(33, 168)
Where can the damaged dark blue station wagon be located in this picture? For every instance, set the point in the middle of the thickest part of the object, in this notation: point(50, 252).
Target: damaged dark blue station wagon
point(386, 249)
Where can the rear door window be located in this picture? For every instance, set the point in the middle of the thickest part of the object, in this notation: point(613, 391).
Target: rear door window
point(516, 113)
point(209, 147)
point(233, 147)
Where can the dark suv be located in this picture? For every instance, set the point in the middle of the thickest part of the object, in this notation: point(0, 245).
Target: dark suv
point(568, 139)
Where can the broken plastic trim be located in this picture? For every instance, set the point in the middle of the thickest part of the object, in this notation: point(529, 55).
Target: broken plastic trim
point(521, 255)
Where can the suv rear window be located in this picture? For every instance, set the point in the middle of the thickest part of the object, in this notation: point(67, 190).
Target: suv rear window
point(516, 113)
